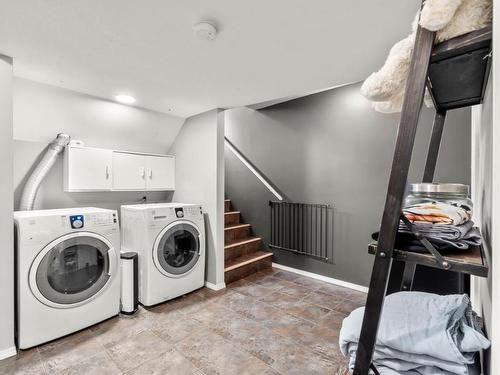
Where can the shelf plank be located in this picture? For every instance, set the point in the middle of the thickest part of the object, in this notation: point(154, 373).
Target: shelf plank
point(472, 261)
point(462, 44)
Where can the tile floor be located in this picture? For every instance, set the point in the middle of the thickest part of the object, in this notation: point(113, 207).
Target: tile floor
point(273, 322)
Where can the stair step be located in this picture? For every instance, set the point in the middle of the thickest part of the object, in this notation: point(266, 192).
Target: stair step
point(231, 218)
point(246, 259)
point(247, 264)
point(236, 231)
point(240, 247)
point(227, 205)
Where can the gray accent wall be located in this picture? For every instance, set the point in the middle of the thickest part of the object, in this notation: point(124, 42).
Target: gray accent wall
point(331, 147)
point(7, 347)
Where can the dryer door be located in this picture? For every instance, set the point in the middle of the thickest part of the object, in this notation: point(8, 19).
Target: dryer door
point(72, 269)
point(177, 248)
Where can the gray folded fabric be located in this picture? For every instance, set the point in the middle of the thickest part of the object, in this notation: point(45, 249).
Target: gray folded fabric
point(419, 333)
point(459, 236)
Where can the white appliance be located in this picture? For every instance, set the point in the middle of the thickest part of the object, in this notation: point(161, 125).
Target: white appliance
point(67, 271)
point(170, 241)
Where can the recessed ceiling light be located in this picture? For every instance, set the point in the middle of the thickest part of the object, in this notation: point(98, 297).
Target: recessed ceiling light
point(125, 99)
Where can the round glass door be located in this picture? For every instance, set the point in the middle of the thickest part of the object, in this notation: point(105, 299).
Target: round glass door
point(73, 270)
point(178, 249)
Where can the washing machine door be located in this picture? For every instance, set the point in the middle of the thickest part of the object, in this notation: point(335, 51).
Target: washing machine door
point(73, 269)
point(176, 249)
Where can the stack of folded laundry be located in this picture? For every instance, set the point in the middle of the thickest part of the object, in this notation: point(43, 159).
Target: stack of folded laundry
point(419, 333)
point(447, 226)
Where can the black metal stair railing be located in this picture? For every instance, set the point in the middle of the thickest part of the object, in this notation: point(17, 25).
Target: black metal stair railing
point(302, 228)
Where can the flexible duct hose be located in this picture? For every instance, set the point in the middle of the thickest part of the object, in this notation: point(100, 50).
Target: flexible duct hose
point(43, 167)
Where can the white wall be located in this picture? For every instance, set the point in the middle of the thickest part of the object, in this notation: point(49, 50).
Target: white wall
point(486, 196)
point(7, 347)
point(199, 151)
point(42, 111)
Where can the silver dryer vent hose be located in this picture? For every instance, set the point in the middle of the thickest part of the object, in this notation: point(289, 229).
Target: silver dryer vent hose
point(41, 170)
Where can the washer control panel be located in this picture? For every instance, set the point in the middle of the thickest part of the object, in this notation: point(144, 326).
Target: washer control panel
point(92, 220)
point(76, 221)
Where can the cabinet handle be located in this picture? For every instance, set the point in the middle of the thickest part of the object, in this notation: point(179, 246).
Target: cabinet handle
point(143, 173)
point(151, 174)
point(107, 172)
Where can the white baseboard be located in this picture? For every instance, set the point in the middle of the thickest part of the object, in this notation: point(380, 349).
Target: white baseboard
point(215, 286)
point(326, 279)
point(9, 352)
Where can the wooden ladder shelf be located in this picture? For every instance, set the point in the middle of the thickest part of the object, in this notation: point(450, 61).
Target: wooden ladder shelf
point(455, 73)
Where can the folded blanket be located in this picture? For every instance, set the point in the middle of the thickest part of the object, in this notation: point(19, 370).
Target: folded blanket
point(438, 212)
point(457, 236)
point(419, 333)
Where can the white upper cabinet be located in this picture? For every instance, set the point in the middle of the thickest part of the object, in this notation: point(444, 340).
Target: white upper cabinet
point(160, 172)
point(129, 171)
point(88, 169)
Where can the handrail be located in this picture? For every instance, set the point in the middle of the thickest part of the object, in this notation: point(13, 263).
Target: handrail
point(257, 173)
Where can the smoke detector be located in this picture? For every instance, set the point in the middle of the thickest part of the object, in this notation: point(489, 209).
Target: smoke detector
point(205, 31)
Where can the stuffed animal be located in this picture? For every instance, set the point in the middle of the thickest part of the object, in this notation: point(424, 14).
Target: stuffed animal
point(449, 18)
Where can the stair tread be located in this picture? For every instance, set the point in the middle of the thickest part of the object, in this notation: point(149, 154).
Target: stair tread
point(246, 259)
point(231, 212)
point(241, 241)
point(236, 226)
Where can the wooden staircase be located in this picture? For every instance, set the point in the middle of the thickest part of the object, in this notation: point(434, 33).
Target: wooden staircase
point(243, 254)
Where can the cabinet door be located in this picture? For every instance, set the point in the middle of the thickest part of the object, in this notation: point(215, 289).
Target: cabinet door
point(160, 172)
point(129, 171)
point(87, 169)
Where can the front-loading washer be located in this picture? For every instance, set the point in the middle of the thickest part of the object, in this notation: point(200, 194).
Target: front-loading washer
point(67, 274)
point(170, 241)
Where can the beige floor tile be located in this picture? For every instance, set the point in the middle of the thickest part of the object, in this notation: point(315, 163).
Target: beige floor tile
point(332, 320)
point(26, 362)
point(342, 292)
point(280, 300)
point(137, 349)
point(322, 299)
point(299, 360)
point(309, 282)
point(285, 275)
point(307, 311)
point(294, 290)
point(69, 351)
point(213, 312)
point(250, 289)
point(347, 306)
point(169, 363)
point(99, 364)
point(116, 330)
point(175, 329)
point(220, 356)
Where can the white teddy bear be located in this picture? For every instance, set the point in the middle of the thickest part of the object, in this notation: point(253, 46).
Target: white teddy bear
point(449, 18)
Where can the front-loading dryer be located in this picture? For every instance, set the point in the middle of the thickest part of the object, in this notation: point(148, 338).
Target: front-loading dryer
point(170, 241)
point(66, 271)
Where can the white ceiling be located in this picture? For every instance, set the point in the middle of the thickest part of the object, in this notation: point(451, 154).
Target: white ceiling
point(266, 49)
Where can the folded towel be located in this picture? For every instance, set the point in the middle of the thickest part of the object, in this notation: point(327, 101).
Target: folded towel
point(438, 212)
point(457, 236)
point(419, 333)
point(408, 242)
